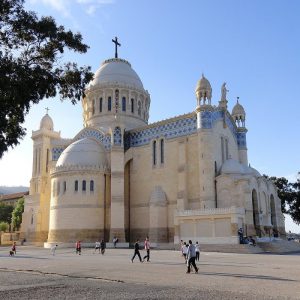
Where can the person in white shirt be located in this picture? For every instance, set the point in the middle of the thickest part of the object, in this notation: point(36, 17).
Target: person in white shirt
point(97, 246)
point(147, 248)
point(53, 249)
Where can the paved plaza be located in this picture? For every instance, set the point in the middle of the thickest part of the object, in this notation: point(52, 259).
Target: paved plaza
point(35, 274)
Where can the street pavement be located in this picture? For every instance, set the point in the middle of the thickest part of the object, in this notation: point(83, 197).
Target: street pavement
point(35, 274)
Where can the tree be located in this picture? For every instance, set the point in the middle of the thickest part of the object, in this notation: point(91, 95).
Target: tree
point(31, 67)
point(3, 227)
point(5, 212)
point(289, 193)
point(17, 214)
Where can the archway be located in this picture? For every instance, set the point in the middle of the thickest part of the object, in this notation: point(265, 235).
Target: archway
point(273, 215)
point(255, 213)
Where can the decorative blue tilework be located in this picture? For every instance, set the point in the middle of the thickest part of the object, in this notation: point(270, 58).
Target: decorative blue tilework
point(56, 152)
point(173, 129)
point(117, 136)
point(96, 134)
point(241, 140)
point(206, 119)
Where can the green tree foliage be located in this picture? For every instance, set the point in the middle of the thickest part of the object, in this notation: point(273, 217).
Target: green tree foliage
point(5, 212)
point(289, 193)
point(3, 226)
point(31, 67)
point(17, 214)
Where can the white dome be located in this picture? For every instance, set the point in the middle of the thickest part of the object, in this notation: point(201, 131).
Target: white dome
point(46, 122)
point(117, 70)
point(254, 172)
point(231, 166)
point(85, 152)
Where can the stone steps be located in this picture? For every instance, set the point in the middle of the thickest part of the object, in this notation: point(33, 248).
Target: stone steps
point(231, 248)
point(280, 246)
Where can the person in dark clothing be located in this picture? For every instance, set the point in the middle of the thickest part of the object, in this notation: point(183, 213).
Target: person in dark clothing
point(136, 251)
point(102, 247)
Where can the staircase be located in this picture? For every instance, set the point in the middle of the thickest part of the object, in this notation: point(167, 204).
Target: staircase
point(280, 247)
point(231, 248)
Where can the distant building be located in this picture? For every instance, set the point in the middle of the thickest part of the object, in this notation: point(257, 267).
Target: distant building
point(186, 177)
point(12, 199)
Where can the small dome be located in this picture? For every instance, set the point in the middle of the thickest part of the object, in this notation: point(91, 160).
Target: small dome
point(231, 166)
point(46, 123)
point(85, 152)
point(158, 197)
point(254, 172)
point(203, 84)
point(119, 71)
point(238, 110)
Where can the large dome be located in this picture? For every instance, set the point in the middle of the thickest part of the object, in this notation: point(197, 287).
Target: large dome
point(119, 71)
point(85, 153)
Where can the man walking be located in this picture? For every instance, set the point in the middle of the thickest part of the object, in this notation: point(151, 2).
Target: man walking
point(191, 255)
point(136, 251)
point(147, 248)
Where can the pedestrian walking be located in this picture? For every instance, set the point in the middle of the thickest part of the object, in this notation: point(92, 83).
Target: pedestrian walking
point(197, 249)
point(78, 247)
point(102, 246)
point(191, 256)
point(97, 247)
point(184, 251)
point(136, 251)
point(53, 249)
point(14, 248)
point(147, 248)
point(115, 240)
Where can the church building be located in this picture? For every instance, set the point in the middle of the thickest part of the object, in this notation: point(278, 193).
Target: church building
point(186, 177)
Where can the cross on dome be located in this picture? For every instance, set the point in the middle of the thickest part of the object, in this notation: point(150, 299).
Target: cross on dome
point(47, 109)
point(115, 41)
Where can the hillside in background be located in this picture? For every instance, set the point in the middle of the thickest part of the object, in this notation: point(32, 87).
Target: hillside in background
point(13, 189)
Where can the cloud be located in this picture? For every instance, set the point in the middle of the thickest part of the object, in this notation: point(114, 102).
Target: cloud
point(92, 5)
point(64, 6)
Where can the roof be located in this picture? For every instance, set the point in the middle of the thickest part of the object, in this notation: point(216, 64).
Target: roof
point(13, 196)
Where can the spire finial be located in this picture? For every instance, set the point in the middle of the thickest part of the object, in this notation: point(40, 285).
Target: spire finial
point(237, 99)
point(115, 41)
point(47, 109)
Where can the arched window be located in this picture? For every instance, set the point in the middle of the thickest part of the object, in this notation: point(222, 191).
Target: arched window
point(84, 185)
point(76, 185)
point(154, 152)
point(92, 185)
point(132, 105)
point(139, 108)
point(162, 151)
point(93, 107)
point(58, 188)
point(65, 186)
point(222, 149)
point(123, 103)
point(226, 149)
point(54, 188)
point(109, 104)
point(100, 104)
point(47, 160)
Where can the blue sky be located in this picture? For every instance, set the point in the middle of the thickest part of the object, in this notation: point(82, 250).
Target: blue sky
point(252, 45)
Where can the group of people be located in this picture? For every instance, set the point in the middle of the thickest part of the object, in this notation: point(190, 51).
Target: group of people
point(137, 250)
point(191, 253)
point(246, 240)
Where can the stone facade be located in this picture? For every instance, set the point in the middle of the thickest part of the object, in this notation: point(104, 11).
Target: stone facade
point(182, 178)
